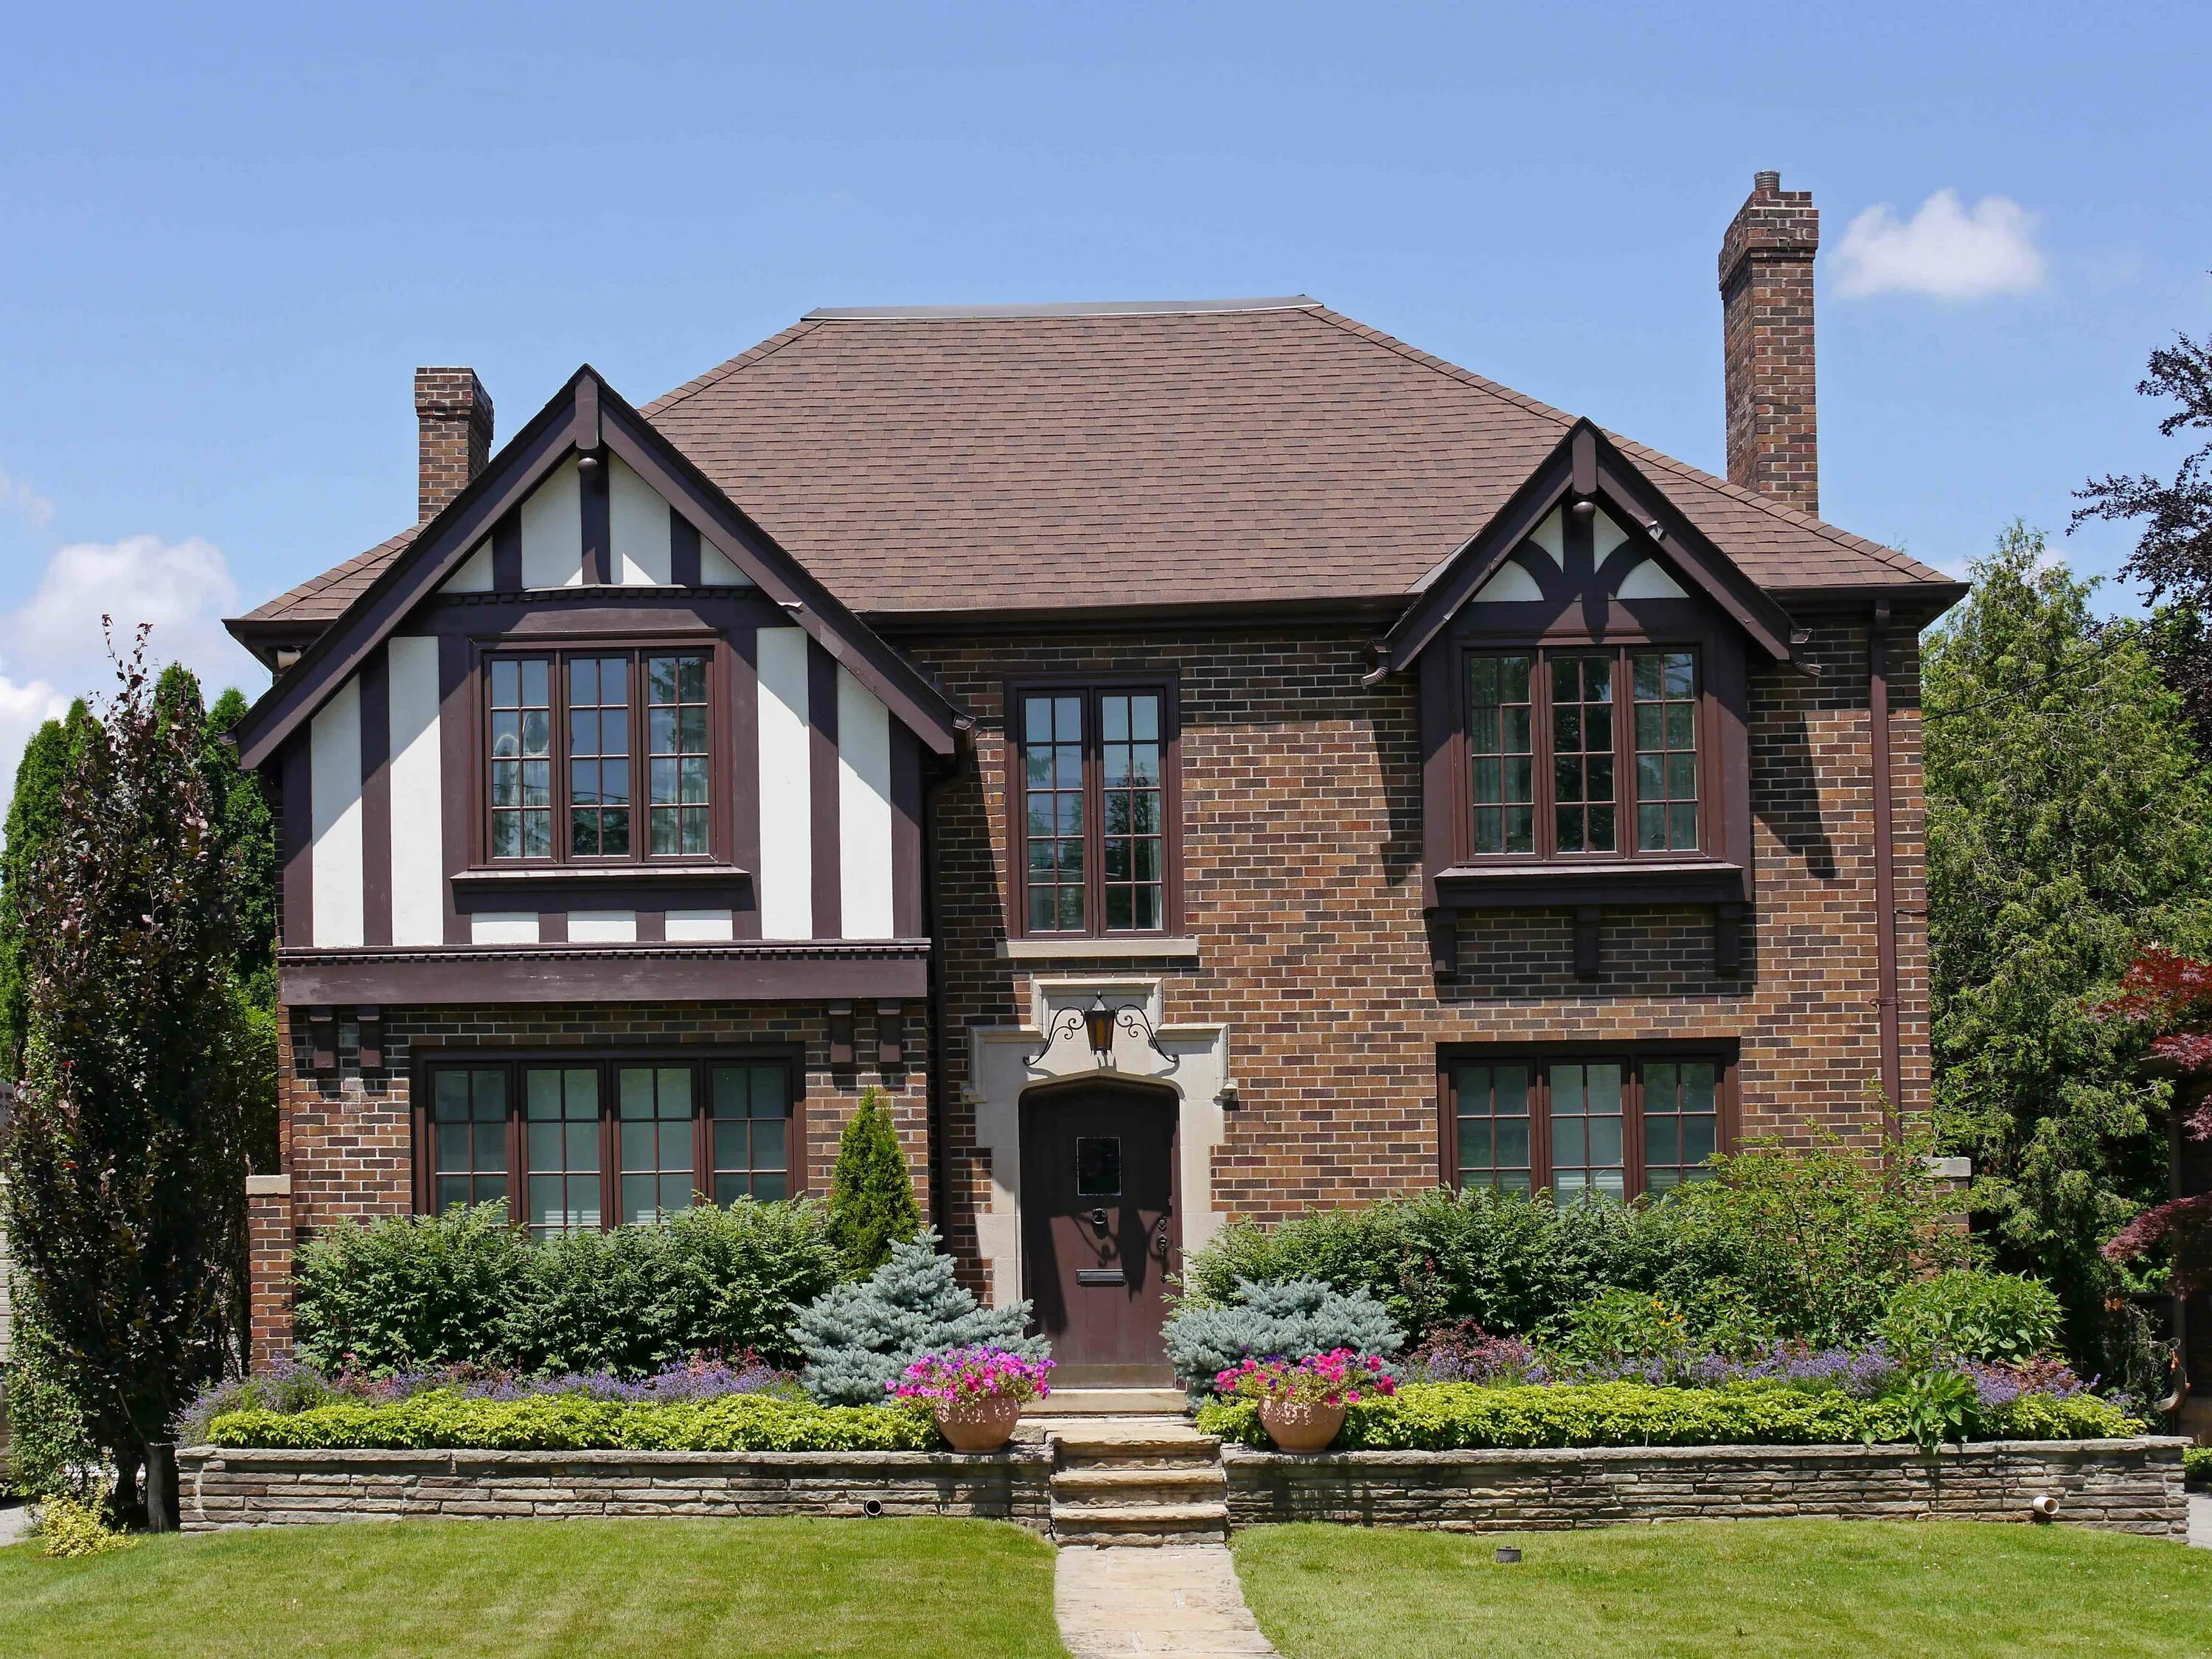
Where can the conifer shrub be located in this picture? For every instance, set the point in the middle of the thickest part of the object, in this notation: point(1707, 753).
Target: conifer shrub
point(871, 1203)
point(860, 1338)
point(1296, 1320)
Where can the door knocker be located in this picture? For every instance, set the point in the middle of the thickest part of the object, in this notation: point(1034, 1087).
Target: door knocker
point(1160, 1235)
point(1105, 1241)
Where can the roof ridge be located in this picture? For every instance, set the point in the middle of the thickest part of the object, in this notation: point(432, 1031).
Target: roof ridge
point(723, 370)
point(1022, 311)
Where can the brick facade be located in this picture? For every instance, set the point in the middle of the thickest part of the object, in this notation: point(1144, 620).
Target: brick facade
point(1302, 876)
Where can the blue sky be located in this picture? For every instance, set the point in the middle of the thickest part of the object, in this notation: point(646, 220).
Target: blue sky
point(228, 234)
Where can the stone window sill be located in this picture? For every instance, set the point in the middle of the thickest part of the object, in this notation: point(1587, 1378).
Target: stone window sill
point(1144, 948)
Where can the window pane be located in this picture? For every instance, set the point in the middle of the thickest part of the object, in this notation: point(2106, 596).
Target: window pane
point(1582, 753)
point(1493, 1126)
point(1131, 763)
point(656, 1140)
point(750, 1105)
point(1587, 1130)
point(1681, 1121)
point(1053, 808)
point(598, 748)
point(676, 732)
point(468, 1149)
point(1666, 751)
point(1500, 754)
point(521, 745)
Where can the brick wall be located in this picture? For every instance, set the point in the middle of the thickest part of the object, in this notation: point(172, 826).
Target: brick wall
point(1766, 325)
point(347, 1136)
point(1302, 870)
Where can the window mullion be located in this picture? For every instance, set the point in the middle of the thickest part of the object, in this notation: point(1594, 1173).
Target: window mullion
point(1094, 817)
point(1631, 1129)
point(1540, 698)
point(1539, 1127)
point(1623, 755)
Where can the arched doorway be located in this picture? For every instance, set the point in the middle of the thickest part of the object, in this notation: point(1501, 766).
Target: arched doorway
point(1099, 1225)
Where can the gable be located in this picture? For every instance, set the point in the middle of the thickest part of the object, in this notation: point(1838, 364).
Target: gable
point(588, 494)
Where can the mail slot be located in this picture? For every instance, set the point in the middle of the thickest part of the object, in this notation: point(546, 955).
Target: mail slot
point(1100, 1276)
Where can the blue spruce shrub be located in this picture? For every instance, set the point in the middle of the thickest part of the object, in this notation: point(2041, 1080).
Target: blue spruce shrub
point(858, 1338)
point(1296, 1319)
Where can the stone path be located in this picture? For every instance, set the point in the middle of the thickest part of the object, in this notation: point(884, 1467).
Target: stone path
point(2200, 1520)
point(15, 1521)
point(1182, 1600)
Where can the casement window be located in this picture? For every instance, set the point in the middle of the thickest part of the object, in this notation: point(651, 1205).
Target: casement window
point(572, 736)
point(1614, 1123)
point(1094, 807)
point(1579, 753)
point(575, 1145)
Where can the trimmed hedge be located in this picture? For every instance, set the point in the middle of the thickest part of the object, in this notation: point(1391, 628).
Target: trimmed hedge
point(1463, 1415)
point(2197, 1465)
point(442, 1420)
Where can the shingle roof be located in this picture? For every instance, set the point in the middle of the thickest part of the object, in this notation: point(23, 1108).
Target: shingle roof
point(934, 460)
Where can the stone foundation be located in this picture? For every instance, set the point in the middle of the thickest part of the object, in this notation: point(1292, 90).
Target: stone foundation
point(219, 1487)
point(2118, 1486)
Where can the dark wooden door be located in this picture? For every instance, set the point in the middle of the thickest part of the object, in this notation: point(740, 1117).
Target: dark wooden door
point(1099, 1231)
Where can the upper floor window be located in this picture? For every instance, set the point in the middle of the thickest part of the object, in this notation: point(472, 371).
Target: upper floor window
point(1580, 751)
point(580, 1144)
point(1614, 1124)
point(1095, 810)
point(567, 731)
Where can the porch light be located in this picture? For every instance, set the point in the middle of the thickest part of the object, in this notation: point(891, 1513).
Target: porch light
point(1098, 1026)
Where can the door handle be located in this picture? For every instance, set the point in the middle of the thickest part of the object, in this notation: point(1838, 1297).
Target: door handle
point(1160, 1246)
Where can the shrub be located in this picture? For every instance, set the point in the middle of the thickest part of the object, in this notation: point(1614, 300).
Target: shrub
point(50, 1452)
point(1996, 1318)
point(1294, 1319)
point(1616, 1327)
point(1456, 1416)
point(859, 1338)
point(1460, 1351)
point(443, 1418)
point(410, 1293)
point(871, 1204)
point(2197, 1465)
point(74, 1529)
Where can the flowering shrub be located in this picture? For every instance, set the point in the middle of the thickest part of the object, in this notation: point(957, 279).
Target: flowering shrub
point(290, 1387)
point(1460, 1351)
point(1336, 1378)
point(960, 1376)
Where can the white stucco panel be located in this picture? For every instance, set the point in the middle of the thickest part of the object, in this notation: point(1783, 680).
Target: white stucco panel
point(785, 881)
point(335, 818)
point(1512, 581)
point(553, 532)
point(475, 574)
point(863, 810)
point(638, 529)
point(418, 843)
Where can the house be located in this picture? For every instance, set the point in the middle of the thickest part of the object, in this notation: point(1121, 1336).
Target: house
point(1197, 760)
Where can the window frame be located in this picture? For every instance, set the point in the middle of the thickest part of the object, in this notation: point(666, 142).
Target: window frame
point(721, 806)
point(426, 1063)
point(1091, 687)
point(1724, 1054)
point(1541, 651)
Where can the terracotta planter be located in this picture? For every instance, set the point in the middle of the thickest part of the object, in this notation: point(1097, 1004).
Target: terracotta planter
point(981, 1425)
point(1295, 1427)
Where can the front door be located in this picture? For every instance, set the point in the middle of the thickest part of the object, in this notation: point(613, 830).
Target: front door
point(1098, 1227)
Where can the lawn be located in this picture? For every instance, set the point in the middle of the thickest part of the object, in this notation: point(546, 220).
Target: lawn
point(661, 1588)
point(1836, 1590)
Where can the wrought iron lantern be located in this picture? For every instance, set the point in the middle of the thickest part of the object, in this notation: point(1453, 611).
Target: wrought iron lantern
point(1098, 1024)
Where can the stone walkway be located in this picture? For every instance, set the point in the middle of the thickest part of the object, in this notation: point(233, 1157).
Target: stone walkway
point(15, 1521)
point(1178, 1599)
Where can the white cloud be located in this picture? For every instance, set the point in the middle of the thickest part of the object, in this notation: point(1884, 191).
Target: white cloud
point(19, 497)
point(51, 647)
point(1946, 250)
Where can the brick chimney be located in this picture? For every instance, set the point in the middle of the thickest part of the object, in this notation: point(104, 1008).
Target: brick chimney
point(454, 412)
point(1766, 332)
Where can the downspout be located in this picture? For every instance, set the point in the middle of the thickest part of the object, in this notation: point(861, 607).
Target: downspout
point(1885, 869)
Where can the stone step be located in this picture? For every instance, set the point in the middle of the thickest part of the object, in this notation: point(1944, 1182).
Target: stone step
point(1140, 1523)
point(1126, 1452)
point(1125, 1488)
point(1110, 1402)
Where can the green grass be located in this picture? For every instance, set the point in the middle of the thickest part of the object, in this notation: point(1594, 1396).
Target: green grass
point(1834, 1589)
point(662, 1589)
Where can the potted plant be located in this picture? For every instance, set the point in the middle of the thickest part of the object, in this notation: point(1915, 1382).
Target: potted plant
point(1302, 1403)
point(976, 1394)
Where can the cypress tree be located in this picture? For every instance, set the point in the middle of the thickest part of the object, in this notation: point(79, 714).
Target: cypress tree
point(871, 1205)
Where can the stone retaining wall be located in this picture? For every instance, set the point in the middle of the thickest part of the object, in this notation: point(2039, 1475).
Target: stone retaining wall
point(2120, 1486)
point(219, 1487)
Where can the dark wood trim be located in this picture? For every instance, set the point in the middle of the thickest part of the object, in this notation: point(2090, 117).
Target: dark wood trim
point(823, 791)
point(297, 774)
point(683, 551)
point(1885, 866)
point(595, 504)
point(1587, 918)
point(424, 1061)
point(906, 834)
point(607, 973)
point(507, 554)
point(743, 704)
point(375, 683)
point(552, 927)
point(557, 614)
point(458, 742)
point(1562, 885)
point(1168, 682)
point(1726, 1053)
point(602, 887)
point(651, 926)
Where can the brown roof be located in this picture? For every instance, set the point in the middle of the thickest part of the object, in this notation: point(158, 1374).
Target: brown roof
point(924, 460)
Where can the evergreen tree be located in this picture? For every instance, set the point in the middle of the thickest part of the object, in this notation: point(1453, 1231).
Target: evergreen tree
point(125, 1170)
point(859, 1337)
point(2068, 823)
point(871, 1204)
point(32, 816)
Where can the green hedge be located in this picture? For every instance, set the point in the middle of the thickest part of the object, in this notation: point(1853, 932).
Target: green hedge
point(2197, 1465)
point(420, 1292)
point(1459, 1416)
point(444, 1420)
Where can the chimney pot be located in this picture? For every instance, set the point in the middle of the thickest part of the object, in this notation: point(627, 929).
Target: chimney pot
point(1766, 323)
point(453, 416)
